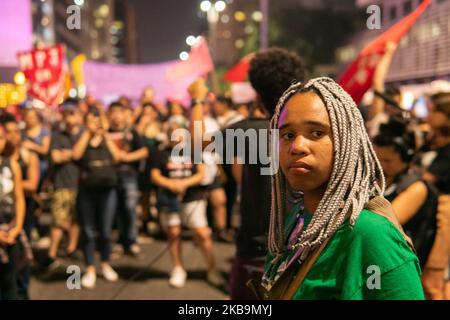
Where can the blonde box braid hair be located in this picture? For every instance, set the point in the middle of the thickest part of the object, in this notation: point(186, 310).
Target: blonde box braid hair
point(356, 176)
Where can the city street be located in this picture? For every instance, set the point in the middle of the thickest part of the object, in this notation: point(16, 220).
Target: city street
point(150, 283)
point(152, 150)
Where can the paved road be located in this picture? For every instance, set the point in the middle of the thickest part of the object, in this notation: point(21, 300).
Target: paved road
point(150, 283)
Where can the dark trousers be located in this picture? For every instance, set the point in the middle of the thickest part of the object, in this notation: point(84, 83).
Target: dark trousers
point(96, 210)
point(8, 275)
point(23, 277)
point(127, 201)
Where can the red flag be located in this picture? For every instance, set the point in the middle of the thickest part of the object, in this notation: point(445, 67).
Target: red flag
point(45, 72)
point(357, 79)
point(238, 73)
point(198, 63)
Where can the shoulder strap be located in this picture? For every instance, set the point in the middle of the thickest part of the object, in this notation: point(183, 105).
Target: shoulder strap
point(289, 282)
point(406, 181)
point(298, 278)
point(379, 205)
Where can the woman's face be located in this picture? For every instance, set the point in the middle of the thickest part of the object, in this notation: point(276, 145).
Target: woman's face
point(177, 110)
point(306, 143)
point(31, 118)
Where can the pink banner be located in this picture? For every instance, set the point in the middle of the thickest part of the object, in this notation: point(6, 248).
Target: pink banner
point(16, 32)
point(169, 80)
point(199, 62)
point(110, 81)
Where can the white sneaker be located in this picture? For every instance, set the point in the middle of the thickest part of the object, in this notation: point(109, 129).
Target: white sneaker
point(135, 250)
point(109, 274)
point(178, 277)
point(88, 280)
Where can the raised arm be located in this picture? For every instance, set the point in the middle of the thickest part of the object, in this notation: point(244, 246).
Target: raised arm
point(198, 91)
point(380, 77)
point(80, 146)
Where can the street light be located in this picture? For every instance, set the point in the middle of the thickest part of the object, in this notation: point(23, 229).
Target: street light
point(220, 6)
point(205, 6)
point(191, 40)
point(257, 16)
point(184, 56)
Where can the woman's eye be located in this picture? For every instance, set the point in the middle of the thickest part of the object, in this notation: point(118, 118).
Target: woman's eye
point(318, 134)
point(288, 136)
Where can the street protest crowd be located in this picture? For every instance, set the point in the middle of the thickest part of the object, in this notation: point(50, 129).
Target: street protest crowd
point(106, 174)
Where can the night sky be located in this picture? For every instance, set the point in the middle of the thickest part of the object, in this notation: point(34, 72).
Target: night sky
point(163, 26)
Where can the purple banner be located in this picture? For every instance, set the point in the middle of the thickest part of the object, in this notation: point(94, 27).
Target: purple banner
point(108, 82)
point(16, 32)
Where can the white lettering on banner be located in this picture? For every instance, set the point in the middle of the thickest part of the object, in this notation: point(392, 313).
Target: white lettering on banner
point(43, 75)
point(26, 61)
point(54, 57)
point(40, 57)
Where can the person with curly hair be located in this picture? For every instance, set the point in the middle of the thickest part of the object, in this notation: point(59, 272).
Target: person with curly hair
point(271, 72)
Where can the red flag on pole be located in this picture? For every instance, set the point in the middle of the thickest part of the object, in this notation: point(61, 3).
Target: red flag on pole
point(198, 63)
point(357, 78)
point(238, 73)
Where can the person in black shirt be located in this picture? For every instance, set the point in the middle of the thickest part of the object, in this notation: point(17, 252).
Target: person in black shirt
point(182, 200)
point(97, 197)
point(133, 151)
point(29, 166)
point(65, 178)
point(12, 216)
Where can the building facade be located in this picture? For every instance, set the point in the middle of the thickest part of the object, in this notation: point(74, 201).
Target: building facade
point(107, 30)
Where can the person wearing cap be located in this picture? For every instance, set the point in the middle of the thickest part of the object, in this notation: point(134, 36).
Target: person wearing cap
point(65, 181)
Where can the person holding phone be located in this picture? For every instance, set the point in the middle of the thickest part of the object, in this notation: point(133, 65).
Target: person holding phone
point(97, 197)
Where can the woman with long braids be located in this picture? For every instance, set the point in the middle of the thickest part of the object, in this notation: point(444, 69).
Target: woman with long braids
point(341, 240)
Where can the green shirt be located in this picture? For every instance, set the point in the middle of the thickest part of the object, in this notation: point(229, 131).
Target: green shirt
point(372, 260)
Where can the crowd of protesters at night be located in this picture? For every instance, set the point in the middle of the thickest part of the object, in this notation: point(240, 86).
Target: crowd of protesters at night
point(106, 176)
